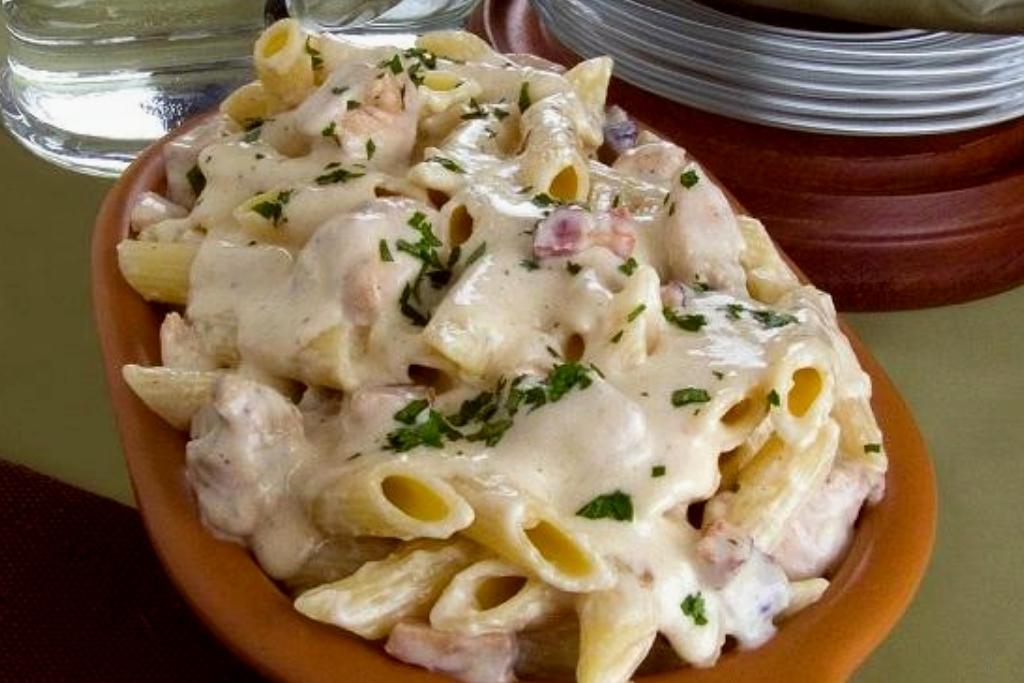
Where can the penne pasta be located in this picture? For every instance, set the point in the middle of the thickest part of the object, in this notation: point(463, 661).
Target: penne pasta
point(380, 594)
point(174, 395)
point(395, 499)
point(617, 629)
point(159, 271)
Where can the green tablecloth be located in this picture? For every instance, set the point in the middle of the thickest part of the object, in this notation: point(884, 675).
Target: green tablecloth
point(959, 367)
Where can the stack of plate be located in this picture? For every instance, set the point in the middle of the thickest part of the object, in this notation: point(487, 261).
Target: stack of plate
point(869, 82)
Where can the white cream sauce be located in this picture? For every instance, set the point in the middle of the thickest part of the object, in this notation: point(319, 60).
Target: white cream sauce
point(270, 296)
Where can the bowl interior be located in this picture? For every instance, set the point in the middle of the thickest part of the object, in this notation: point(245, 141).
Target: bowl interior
point(246, 610)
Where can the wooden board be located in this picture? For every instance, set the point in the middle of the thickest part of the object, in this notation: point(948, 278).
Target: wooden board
point(880, 223)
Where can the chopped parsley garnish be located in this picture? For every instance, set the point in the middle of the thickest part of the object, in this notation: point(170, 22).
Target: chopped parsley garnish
point(524, 97)
point(733, 311)
point(426, 58)
point(629, 267)
point(425, 250)
point(658, 471)
point(544, 200)
point(689, 178)
point(329, 131)
point(353, 104)
point(554, 354)
point(314, 55)
point(773, 398)
point(475, 110)
point(615, 505)
point(273, 209)
point(448, 164)
point(477, 253)
point(385, 252)
point(196, 179)
point(371, 147)
point(693, 607)
point(717, 374)
point(429, 432)
point(671, 209)
point(573, 268)
point(530, 263)
point(408, 310)
point(339, 89)
point(615, 202)
point(491, 432)
point(336, 175)
point(684, 397)
point(617, 337)
point(691, 322)
point(395, 64)
point(872, 448)
point(472, 408)
point(635, 313)
point(701, 286)
point(411, 411)
point(563, 378)
point(771, 319)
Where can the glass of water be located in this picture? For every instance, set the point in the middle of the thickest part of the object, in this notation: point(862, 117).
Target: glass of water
point(90, 83)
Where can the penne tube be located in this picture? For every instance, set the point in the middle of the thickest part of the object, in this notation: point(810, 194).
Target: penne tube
point(459, 46)
point(494, 596)
point(617, 629)
point(380, 594)
point(283, 59)
point(768, 276)
point(442, 90)
point(552, 161)
point(159, 271)
point(734, 414)
point(522, 531)
point(394, 499)
point(174, 395)
point(801, 391)
point(735, 459)
point(251, 104)
point(777, 482)
point(803, 594)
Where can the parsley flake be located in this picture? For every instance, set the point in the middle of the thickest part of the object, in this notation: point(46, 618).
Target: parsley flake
point(429, 432)
point(329, 131)
point(447, 164)
point(773, 398)
point(691, 322)
point(573, 268)
point(273, 209)
point(353, 104)
point(544, 200)
point(684, 397)
point(872, 448)
point(615, 505)
point(411, 411)
point(371, 147)
point(693, 607)
point(629, 267)
point(477, 253)
point(524, 97)
point(337, 175)
point(385, 252)
point(689, 178)
point(339, 89)
point(617, 337)
point(772, 319)
point(314, 55)
point(530, 264)
point(395, 64)
point(658, 471)
point(635, 313)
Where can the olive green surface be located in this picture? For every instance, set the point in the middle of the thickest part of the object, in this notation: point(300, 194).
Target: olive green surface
point(959, 368)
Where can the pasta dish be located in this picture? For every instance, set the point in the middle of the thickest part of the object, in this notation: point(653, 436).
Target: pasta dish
point(474, 367)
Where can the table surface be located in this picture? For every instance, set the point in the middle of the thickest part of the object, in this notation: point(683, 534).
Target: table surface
point(958, 367)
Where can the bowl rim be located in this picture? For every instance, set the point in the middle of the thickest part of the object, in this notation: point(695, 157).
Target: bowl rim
point(243, 608)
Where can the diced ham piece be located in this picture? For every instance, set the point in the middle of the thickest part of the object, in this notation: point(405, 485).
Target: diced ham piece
point(723, 549)
point(487, 658)
point(569, 230)
point(566, 231)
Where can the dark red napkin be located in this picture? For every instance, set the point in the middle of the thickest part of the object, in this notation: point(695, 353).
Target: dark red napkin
point(83, 597)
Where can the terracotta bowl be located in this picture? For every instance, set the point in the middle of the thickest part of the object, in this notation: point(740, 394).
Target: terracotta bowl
point(255, 619)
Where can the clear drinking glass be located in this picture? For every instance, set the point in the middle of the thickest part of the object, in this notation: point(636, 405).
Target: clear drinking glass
point(89, 83)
